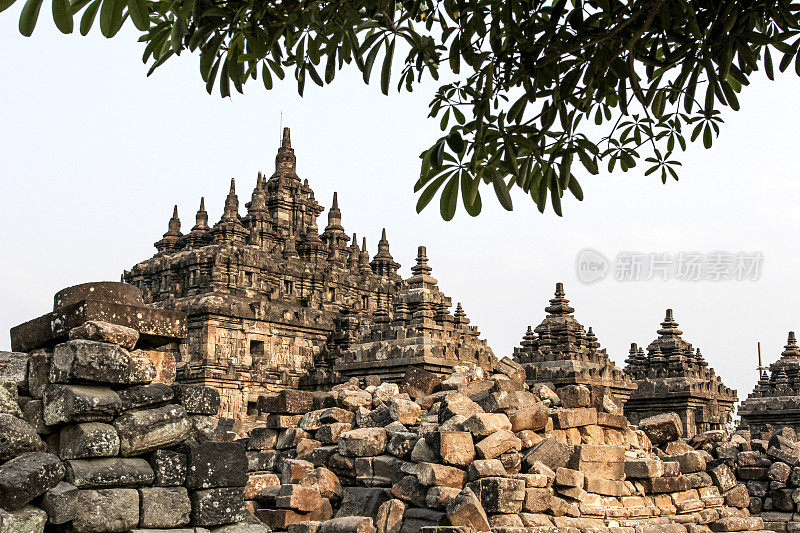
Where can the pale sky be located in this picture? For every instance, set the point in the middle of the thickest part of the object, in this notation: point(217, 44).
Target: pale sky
point(94, 155)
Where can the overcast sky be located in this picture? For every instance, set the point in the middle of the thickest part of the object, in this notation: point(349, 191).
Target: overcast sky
point(94, 154)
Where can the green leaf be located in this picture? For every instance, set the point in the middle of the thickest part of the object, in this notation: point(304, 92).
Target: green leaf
point(5, 4)
point(449, 200)
point(111, 17)
point(501, 190)
point(370, 61)
point(575, 188)
point(555, 198)
point(427, 195)
point(87, 19)
point(139, 14)
point(707, 137)
point(455, 142)
point(266, 76)
point(27, 19)
point(386, 71)
point(62, 16)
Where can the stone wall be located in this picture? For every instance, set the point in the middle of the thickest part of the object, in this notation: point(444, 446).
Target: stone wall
point(480, 453)
point(90, 443)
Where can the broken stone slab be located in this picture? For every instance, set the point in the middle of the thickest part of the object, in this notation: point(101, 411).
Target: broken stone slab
point(33, 414)
point(164, 507)
point(298, 497)
point(88, 439)
point(287, 401)
point(456, 448)
point(486, 468)
point(9, 399)
point(60, 503)
point(404, 411)
point(662, 428)
point(38, 372)
point(499, 494)
point(418, 383)
point(109, 472)
point(497, 443)
point(483, 424)
point(17, 437)
point(218, 506)
point(431, 474)
point(29, 519)
point(348, 524)
point(14, 369)
point(362, 501)
point(216, 464)
point(644, 468)
point(533, 417)
point(82, 361)
point(25, 477)
point(197, 399)
point(390, 517)
point(330, 433)
point(325, 481)
point(79, 403)
point(100, 331)
point(723, 477)
point(362, 442)
point(601, 461)
point(575, 418)
point(106, 510)
point(145, 396)
point(169, 468)
point(574, 396)
point(457, 404)
point(466, 511)
point(147, 430)
point(550, 453)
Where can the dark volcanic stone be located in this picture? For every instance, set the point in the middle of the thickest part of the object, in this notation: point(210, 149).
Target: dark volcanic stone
point(17, 437)
point(90, 439)
point(107, 510)
point(197, 399)
point(164, 507)
point(79, 403)
point(145, 395)
point(98, 362)
point(214, 507)
point(109, 472)
point(216, 464)
point(60, 503)
point(28, 476)
point(169, 468)
point(147, 430)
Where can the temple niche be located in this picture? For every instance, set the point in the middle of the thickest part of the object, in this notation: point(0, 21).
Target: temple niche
point(559, 352)
point(673, 377)
point(775, 400)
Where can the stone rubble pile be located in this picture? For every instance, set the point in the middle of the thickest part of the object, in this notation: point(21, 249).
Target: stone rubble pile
point(480, 453)
point(88, 443)
point(769, 466)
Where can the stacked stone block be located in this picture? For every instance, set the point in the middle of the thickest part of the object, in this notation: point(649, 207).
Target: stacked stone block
point(89, 443)
point(479, 453)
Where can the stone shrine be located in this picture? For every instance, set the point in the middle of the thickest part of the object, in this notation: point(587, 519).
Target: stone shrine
point(559, 352)
point(775, 400)
point(673, 377)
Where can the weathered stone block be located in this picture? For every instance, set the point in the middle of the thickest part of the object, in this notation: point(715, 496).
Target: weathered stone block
point(299, 497)
point(644, 468)
point(106, 510)
point(99, 362)
point(330, 433)
point(109, 472)
point(574, 396)
point(287, 401)
point(573, 418)
point(483, 424)
point(99, 331)
point(256, 483)
point(362, 501)
point(362, 442)
point(147, 430)
point(390, 517)
point(418, 382)
point(25, 477)
point(29, 519)
point(499, 495)
point(169, 468)
point(60, 503)
point(216, 464)
point(431, 474)
point(17, 437)
point(14, 369)
point(404, 411)
point(89, 439)
point(347, 524)
point(456, 448)
point(457, 404)
point(497, 443)
point(324, 480)
point(723, 477)
point(197, 399)
point(145, 396)
point(663, 428)
point(486, 468)
point(79, 403)
point(467, 511)
point(550, 453)
point(164, 507)
point(213, 507)
point(533, 417)
point(9, 399)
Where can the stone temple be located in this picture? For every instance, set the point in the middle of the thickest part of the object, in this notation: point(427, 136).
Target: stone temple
point(673, 377)
point(775, 400)
point(560, 352)
point(268, 297)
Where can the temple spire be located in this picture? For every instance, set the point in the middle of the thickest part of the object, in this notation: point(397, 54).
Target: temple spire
point(231, 211)
point(201, 217)
point(171, 238)
point(559, 305)
point(285, 161)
